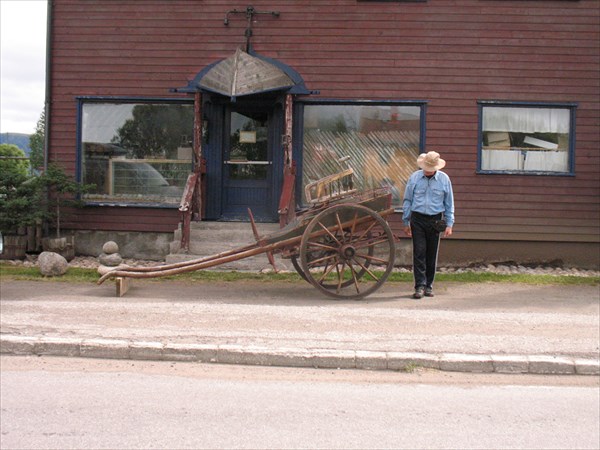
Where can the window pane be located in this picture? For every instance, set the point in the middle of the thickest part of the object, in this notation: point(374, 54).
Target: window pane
point(136, 153)
point(248, 142)
point(525, 139)
point(382, 142)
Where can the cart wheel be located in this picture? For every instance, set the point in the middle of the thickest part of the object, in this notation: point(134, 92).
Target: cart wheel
point(347, 251)
point(315, 255)
point(298, 266)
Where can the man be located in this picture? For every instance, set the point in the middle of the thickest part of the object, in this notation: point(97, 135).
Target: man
point(428, 197)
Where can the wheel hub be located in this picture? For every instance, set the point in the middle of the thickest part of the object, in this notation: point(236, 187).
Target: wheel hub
point(347, 252)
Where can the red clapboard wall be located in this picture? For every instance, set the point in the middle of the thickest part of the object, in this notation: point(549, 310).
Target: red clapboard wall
point(449, 53)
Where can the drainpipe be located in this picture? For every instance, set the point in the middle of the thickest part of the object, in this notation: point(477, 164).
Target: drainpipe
point(48, 94)
point(43, 228)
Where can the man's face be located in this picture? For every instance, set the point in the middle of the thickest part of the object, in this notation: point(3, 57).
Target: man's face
point(429, 174)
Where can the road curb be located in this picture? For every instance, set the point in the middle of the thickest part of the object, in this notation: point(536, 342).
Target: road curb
point(296, 357)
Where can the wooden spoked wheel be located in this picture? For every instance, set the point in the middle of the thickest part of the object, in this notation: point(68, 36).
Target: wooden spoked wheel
point(298, 266)
point(347, 251)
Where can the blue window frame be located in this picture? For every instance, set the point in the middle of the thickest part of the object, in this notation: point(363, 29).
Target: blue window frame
point(135, 151)
point(524, 138)
point(382, 139)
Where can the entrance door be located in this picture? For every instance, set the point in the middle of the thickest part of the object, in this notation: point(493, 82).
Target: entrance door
point(247, 157)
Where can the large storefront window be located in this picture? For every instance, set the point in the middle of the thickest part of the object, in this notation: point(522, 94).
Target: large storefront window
point(526, 138)
point(382, 142)
point(136, 153)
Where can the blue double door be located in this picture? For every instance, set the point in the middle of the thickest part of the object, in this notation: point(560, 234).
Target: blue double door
point(244, 161)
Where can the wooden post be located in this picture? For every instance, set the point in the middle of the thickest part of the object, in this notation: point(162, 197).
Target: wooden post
point(122, 285)
point(288, 130)
point(186, 208)
point(191, 201)
point(287, 209)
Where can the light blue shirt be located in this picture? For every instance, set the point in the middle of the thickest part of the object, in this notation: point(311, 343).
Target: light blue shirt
point(428, 196)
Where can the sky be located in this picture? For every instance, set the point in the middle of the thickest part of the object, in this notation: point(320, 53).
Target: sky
point(22, 64)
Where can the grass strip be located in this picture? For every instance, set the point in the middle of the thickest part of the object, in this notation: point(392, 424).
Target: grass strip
point(76, 274)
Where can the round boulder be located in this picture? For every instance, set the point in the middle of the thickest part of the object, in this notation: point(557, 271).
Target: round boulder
point(52, 264)
point(110, 247)
point(112, 259)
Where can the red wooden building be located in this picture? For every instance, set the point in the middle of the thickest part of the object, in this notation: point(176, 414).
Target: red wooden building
point(141, 91)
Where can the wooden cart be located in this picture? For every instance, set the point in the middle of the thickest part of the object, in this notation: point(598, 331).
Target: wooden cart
point(341, 243)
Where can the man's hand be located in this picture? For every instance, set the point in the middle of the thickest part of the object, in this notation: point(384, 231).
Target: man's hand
point(448, 232)
point(408, 231)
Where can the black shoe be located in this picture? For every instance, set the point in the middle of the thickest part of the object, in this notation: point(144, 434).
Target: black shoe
point(419, 292)
point(429, 292)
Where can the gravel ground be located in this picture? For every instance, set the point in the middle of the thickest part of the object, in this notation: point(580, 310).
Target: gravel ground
point(506, 268)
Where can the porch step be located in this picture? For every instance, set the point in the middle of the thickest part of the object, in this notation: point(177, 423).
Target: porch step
point(210, 238)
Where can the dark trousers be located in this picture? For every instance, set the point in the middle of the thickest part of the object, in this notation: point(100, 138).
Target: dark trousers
point(426, 241)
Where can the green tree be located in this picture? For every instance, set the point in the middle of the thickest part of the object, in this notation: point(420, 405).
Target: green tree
point(155, 130)
point(19, 201)
point(36, 143)
point(13, 160)
point(62, 191)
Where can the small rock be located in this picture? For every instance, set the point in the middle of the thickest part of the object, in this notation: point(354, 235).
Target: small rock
point(110, 247)
point(52, 264)
point(113, 259)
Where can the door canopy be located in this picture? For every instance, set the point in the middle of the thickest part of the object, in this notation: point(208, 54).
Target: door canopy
point(246, 74)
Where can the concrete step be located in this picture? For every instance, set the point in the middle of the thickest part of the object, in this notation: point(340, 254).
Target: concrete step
point(227, 231)
point(256, 263)
point(210, 238)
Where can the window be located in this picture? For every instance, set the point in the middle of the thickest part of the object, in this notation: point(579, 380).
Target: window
point(382, 142)
point(134, 152)
point(525, 138)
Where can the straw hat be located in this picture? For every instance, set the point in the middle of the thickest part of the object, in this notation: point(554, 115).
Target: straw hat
point(430, 162)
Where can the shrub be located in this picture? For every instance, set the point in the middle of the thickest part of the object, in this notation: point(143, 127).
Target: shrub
point(13, 160)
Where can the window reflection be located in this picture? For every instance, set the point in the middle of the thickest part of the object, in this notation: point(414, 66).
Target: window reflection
point(382, 141)
point(136, 152)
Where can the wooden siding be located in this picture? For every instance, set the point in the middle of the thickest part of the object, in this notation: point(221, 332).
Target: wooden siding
point(446, 52)
point(110, 218)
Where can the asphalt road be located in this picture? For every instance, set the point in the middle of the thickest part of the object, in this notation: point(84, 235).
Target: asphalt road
point(77, 403)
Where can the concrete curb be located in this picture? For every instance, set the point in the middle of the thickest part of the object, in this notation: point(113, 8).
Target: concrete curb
point(296, 357)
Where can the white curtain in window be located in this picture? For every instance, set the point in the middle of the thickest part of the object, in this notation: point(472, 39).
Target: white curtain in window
point(546, 161)
point(501, 160)
point(526, 120)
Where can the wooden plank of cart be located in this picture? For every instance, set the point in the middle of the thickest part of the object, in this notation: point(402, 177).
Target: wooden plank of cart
point(341, 244)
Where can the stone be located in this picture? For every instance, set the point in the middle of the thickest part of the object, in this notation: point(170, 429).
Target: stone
point(587, 367)
point(190, 352)
point(458, 362)
point(113, 259)
point(542, 364)
point(110, 247)
point(17, 345)
point(409, 361)
point(52, 264)
point(152, 351)
point(510, 363)
point(371, 360)
point(105, 348)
